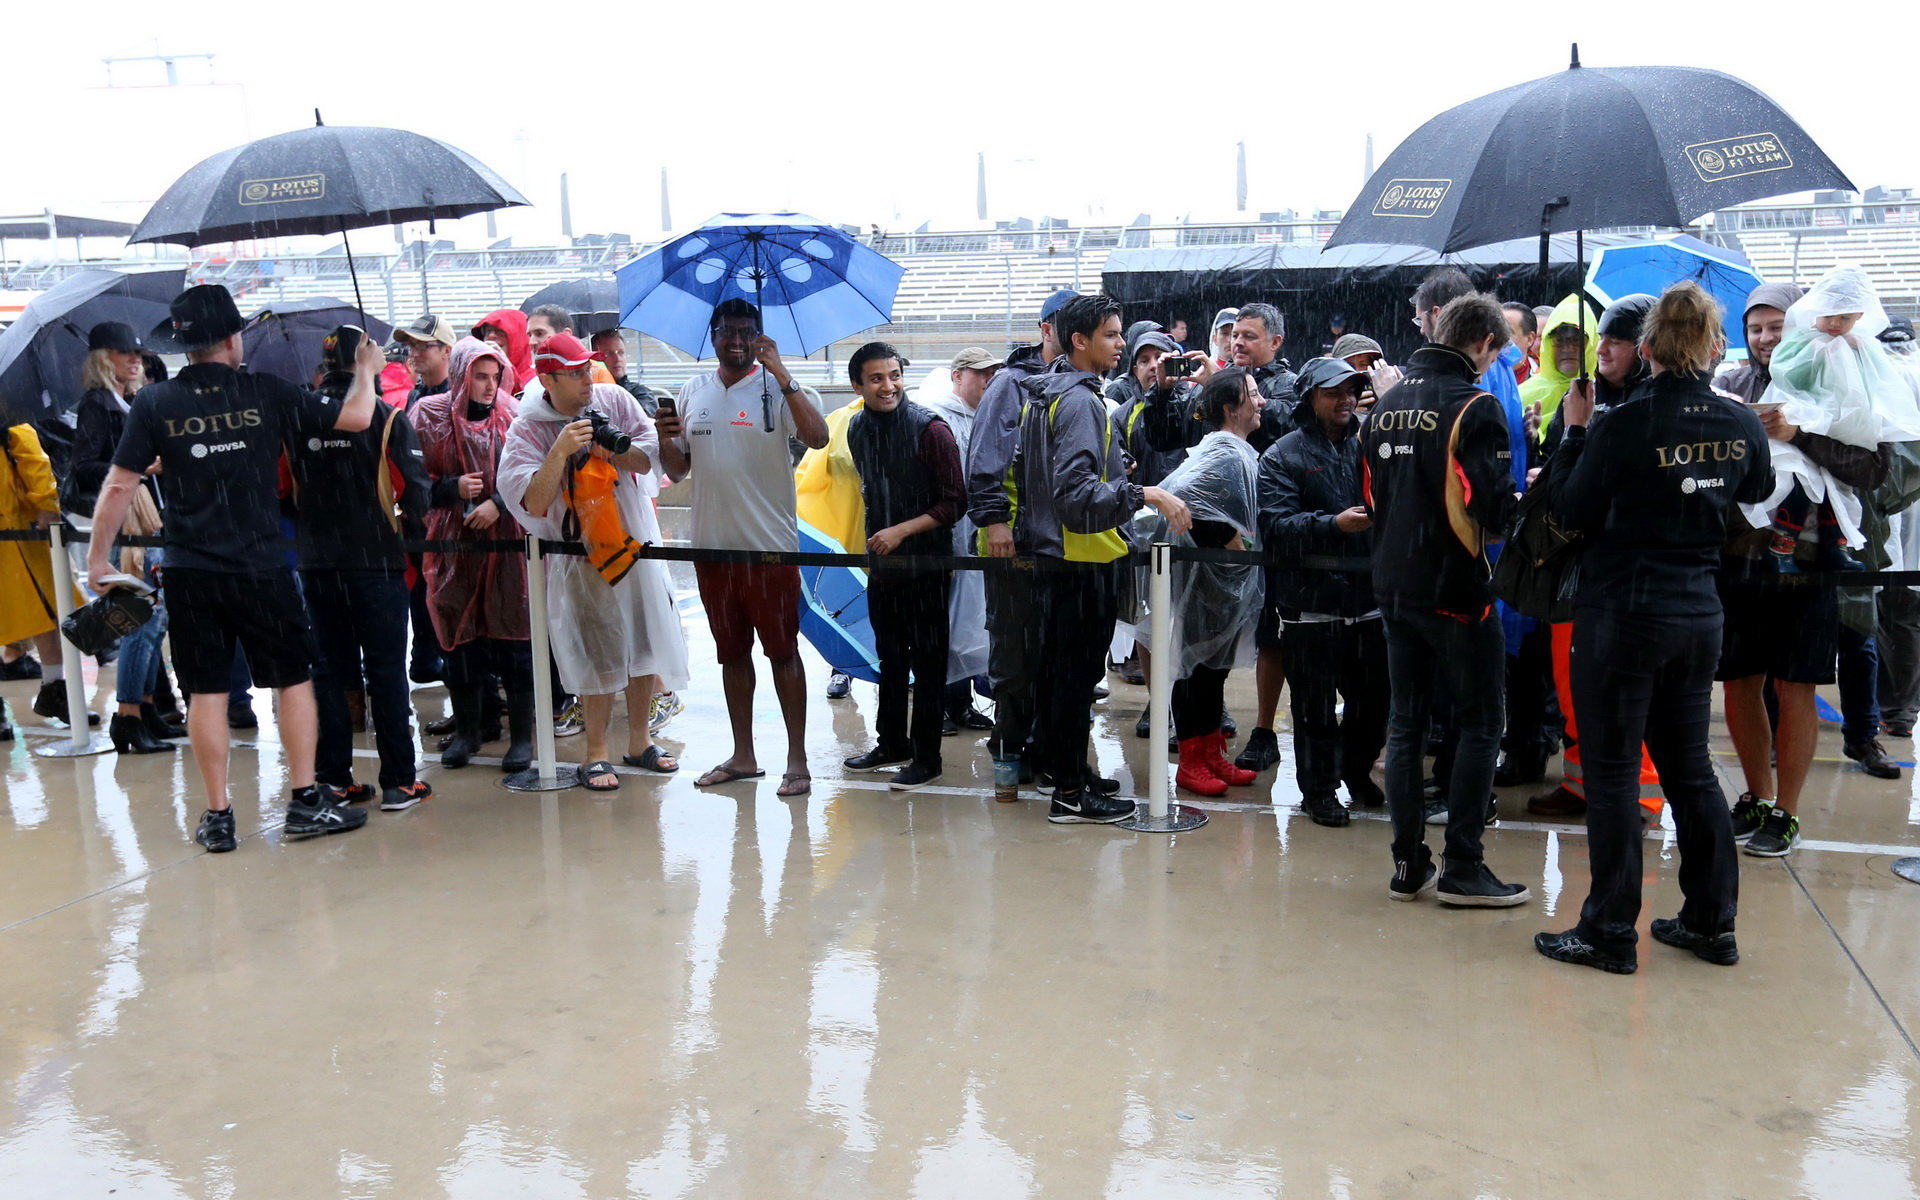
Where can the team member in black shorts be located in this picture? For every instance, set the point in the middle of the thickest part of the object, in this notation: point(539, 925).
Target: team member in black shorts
point(1653, 485)
point(216, 432)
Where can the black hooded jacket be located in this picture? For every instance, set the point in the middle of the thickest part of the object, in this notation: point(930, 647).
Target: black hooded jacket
point(1276, 382)
point(1305, 481)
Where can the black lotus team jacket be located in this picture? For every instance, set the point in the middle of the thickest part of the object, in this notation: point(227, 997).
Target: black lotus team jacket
point(1434, 462)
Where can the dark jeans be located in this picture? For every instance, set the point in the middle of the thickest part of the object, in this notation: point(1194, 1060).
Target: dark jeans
point(1425, 648)
point(1077, 606)
point(1328, 661)
point(1639, 678)
point(1859, 685)
point(1899, 644)
point(1013, 654)
point(909, 616)
point(426, 643)
point(469, 664)
point(1197, 702)
point(1532, 724)
point(361, 617)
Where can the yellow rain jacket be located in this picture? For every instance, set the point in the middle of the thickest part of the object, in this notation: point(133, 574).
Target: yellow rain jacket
point(827, 486)
point(1548, 386)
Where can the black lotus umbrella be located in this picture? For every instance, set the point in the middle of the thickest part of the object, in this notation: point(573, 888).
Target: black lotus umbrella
point(323, 180)
point(284, 339)
point(41, 353)
point(1587, 148)
point(594, 303)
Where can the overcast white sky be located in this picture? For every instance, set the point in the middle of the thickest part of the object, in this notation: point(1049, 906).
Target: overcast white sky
point(870, 112)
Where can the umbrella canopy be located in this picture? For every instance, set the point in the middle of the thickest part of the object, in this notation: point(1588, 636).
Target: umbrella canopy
point(284, 339)
point(322, 181)
point(41, 353)
point(594, 303)
point(1590, 147)
point(1650, 266)
point(833, 610)
point(813, 283)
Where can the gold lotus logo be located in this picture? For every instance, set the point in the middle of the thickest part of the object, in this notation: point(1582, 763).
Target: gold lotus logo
point(1412, 197)
point(1737, 157)
point(284, 190)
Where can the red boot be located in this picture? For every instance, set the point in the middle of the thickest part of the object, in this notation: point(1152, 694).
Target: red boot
point(1196, 773)
point(1214, 745)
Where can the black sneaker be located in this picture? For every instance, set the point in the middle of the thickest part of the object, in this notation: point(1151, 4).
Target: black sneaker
point(1748, 814)
point(1872, 758)
point(24, 667)
point(1261, 751)
point(1143, 728)
point(838, 685)
point(240, 716)
point(1570, 947)
point(1778, 834)
point(972, 718)
point(424, 672)
point(1718, 948)
point(1520, 768)
point(1083, 807)
point(216, 832)
point(1229, 728)
point(878, 758)
point(1437, 810)
point(353, 793)
point(399, 799)
point(1099, 785)
point(316, 817)
point(1471, 885)
point(1365, 792)
point(949, 727)
point(1326, 809)
point(1410, 884)
point(913, 775)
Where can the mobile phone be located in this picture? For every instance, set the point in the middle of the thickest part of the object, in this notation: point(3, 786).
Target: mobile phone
point(1767, 406)
point(1176, 366)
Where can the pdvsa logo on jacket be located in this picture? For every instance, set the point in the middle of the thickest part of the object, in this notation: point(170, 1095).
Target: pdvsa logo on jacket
point(1412, 197)
point(284, 190)
point(1735, 157)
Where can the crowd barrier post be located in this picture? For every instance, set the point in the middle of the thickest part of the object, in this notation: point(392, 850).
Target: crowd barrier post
point(81, 742)
point(545, 774)
point(1162, 816)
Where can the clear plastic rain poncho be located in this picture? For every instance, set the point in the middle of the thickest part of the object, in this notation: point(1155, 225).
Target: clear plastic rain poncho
point(1839, 386)
point(603, 635)
point(1215, 605)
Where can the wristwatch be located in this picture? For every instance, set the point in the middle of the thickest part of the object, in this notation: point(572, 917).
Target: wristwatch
point(791, 386)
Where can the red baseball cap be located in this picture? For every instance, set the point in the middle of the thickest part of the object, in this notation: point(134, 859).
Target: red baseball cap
point(561, 352)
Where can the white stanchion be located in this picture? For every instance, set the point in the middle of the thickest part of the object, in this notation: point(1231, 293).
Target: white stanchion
point(1162, 816)
point(80, 741)
point(546, 774)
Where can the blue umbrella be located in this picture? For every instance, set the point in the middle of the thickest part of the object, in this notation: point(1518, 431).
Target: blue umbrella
point(833, 610)
point(1651, 266)
point(813, 283)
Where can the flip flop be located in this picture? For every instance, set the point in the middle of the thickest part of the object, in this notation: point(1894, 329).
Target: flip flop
point(788, 791)
point(592, 769)
point(720, 775)
point(649, 760)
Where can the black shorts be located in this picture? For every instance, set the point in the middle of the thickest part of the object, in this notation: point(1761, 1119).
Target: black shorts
point(1789, 632)
point(208, 611)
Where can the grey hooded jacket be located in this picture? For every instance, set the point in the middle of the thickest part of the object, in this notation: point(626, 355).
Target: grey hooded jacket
point(1071, 474)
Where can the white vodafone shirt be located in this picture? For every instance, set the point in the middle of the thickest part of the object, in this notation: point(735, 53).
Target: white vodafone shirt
point(742, 473)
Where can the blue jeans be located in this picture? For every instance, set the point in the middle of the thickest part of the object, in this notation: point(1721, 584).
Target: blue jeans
point(360, 617)
point(1424, 647)
point(138, 671)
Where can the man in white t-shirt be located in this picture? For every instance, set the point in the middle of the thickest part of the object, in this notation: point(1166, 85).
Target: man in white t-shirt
point(727, 436)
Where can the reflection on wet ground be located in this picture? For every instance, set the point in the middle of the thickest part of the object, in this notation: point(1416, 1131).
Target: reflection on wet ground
point(670, 992)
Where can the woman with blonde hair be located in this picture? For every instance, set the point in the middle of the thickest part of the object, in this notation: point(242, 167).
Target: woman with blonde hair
point(114, 370)
point(1653, 485)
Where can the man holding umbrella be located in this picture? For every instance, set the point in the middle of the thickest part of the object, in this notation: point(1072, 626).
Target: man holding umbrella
point(217, 432)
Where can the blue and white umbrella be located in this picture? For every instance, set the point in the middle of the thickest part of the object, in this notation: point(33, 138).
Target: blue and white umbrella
point(814, 284)
point(1651, 266)
point(833, 610)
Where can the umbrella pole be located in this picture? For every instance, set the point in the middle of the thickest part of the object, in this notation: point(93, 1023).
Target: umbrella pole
point(352, 271)
point(1580, 285)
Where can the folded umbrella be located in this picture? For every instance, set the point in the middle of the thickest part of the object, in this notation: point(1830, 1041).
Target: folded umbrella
point(833, 610)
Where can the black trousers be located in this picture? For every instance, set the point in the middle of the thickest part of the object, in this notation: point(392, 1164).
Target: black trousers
point(1197, 702)
point(361, 617)
point(1013, 655)
point(1423, 648)
point(1328, 661)
point(426, 643)
point(1532, 723)
point(1647, 678)
point(1078, 607)
point(909, 615)
point(469, 664)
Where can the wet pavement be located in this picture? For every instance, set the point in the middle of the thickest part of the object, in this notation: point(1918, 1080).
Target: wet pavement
point(669, 992)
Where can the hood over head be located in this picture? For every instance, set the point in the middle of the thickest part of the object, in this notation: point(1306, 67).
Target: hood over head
point(1547, 385)
point(1782, 296)
point(460, 360)
point(513, 323)
point(1626, 316)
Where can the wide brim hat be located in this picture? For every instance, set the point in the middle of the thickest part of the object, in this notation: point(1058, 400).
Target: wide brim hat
point(199, 317)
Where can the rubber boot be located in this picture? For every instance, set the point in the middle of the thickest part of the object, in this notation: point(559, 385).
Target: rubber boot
point(466, 727)
point(519, 754)
point(1193, 774)
point(1215, 750)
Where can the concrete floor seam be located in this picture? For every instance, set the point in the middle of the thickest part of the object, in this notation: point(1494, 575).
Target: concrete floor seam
point(1857, 966)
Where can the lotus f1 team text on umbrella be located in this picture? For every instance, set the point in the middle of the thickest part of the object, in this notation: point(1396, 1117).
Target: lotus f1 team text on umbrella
point(321, 181)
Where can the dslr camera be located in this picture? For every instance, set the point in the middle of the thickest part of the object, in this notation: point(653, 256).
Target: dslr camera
point(606, 434)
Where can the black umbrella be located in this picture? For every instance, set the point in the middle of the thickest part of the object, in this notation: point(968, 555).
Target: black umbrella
point(41, 353)
point(1591, 147)
point(284, 339)
point(594, 303)
point(323, 180)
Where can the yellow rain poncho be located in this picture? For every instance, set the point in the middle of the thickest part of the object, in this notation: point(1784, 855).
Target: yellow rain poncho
point(827, 486)
point(1549, 384)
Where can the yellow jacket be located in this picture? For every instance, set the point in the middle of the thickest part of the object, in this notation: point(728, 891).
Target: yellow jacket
point(1548, 386)
point(828, 486)
point(26, 572)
